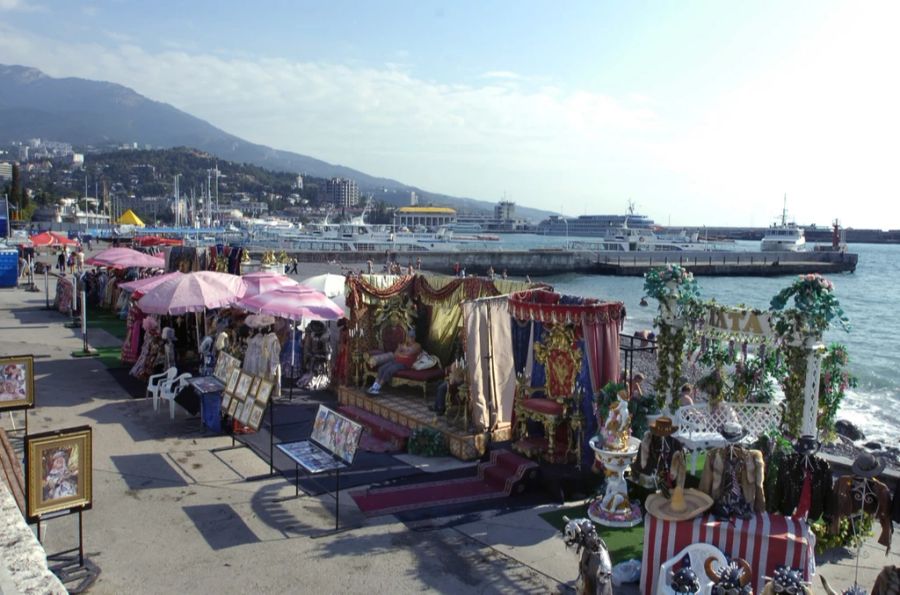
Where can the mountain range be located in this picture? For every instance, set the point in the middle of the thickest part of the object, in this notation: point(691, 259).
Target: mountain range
point(93, 113)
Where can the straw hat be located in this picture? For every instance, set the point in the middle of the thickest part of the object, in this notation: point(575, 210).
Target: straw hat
point(662, 426)
point(867, 465)
point(259, 320)
point(684, 504)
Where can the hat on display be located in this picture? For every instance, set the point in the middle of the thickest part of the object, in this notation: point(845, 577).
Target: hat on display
point(662, 426)
point(807, 445)
point(259, 320)
point(867, 465)
point(733, 432)
point(681, 507)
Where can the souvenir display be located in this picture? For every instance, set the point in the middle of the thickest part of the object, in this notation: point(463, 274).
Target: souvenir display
point(683, 504)
point(733, 476)
point(16, 382)
point(263, 392)
point(255, 417)
point(58, 471)
point(804, 481)
point(226, 401)
point(234, 375)
point(653, 466)
point(243, 386)
point(862, 491)
point(787, 581)
point(732, 579)
point(594, 565)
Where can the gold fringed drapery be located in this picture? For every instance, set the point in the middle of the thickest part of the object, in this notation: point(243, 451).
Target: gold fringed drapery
point(439, 296)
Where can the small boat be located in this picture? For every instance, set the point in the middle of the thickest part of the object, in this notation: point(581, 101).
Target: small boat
point(783, 236)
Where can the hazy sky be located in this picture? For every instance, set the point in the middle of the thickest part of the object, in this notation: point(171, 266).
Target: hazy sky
point(699, 112)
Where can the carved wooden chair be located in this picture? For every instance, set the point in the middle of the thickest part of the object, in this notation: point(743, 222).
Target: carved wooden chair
point(556, 407)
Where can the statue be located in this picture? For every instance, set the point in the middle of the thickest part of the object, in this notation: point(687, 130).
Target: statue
point(595, 565)
point(615, 498)
point(617, 428)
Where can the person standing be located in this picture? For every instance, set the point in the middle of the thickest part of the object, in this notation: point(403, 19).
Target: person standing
point(61, 261)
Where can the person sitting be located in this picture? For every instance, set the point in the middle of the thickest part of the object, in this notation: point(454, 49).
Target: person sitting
point(456, 375)
point(686, 397)
point(637, 391)
point(403, 358)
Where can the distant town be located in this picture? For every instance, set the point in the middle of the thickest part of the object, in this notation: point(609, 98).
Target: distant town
point(50, 182)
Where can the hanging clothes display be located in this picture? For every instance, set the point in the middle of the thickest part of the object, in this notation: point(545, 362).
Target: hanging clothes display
point(849, 500)
point(802, 475)
point(131, 346)
point(733, 477)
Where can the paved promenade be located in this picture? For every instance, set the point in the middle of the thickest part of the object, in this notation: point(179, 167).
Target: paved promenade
point(173, 512)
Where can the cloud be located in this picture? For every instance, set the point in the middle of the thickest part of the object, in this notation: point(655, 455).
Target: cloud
point(18, 5)
point(473, 139)
point(503, 75)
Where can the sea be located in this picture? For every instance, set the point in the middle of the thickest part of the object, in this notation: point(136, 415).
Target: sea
point(870, 298)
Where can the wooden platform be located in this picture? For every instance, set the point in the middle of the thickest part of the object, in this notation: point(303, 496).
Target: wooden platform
point(409, 410)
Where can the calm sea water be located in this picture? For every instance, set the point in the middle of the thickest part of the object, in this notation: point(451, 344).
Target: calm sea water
point(870, 299)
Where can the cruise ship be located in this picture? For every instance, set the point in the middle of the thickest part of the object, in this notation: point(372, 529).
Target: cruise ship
point(592, 226)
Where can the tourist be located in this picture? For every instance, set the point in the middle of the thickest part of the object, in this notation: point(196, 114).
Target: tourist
point(403, 358)
point(418, 263)
point(61, 261)
point(643, 301)
point(637, 390)
point(686, 397)
point(491, 273)
point(369, 266)
point(456, 269)
point(504, 273)
point(79, 260)
point(71, 263)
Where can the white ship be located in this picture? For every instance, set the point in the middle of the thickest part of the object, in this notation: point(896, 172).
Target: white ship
point(783, 236)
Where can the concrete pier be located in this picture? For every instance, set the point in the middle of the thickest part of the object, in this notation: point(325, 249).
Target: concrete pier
point(539, 263)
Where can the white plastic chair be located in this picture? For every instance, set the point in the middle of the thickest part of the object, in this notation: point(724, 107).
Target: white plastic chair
point(171, 389)
point(156, 382)
point(699, 553)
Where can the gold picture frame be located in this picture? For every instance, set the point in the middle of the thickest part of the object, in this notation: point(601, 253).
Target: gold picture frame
point(221, 370)
point(58, 471)
point(264, 391)
point(243, 415)
point(226, 401)
point(255, 417)
point(16, 382)
point(243, 386)
point(254, 386)
point(233, 375)
point(232, 407)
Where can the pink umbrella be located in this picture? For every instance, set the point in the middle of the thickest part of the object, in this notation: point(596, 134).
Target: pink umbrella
point(194, 292)
point(142, 286)
point(123, 258)
point(50, 238)
point(293, 303)
point(264, 282)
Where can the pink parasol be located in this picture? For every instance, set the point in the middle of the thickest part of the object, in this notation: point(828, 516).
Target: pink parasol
point(123, 258)
point(293, 303)
point(49, 238)
point(264, 282)
point(194, 292)
point(142, 286)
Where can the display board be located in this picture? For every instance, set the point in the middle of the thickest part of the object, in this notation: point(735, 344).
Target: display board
point(246, 396)
point(336, 433)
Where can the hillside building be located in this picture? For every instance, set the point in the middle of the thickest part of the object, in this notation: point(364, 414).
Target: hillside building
point(427, 217)
point(342, 192)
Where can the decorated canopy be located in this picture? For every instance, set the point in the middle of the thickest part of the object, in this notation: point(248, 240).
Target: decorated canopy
point(50, 238)
point(129, 218)
point(595, 326)
point(194, 292)
point(123, 258)
point(265, 281)
point(293, 303)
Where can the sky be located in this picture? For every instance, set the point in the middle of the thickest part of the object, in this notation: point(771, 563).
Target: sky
point(700, 112)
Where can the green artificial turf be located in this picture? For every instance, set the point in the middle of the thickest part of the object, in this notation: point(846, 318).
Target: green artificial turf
point(623, 544)
point(106, 320)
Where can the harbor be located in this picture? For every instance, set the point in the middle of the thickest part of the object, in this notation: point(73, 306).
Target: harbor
point(543, 262)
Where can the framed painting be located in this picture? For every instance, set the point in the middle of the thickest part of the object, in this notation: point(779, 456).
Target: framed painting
point(232, 407)
point(264, 391)
point(226, 401)
point(255, 417)
point(243, 414)
point(221, 369)
point(58, 474)
point(243, 386)
point(16, 382)
point(254, 386)
point(233, 375)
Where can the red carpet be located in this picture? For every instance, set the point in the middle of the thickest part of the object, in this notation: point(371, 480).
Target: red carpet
point(380, 435)
point(503, 476)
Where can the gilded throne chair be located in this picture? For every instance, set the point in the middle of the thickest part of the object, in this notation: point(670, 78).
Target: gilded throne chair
point(555, 405)
point(393, 319)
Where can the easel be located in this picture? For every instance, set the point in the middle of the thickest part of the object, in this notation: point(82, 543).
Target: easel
point(67, 567)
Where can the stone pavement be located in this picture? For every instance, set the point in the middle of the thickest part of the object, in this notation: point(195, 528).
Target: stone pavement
point(173, 511)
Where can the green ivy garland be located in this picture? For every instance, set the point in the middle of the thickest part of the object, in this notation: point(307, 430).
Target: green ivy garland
point(846, 536)
point(427, 442)
point(833, 386)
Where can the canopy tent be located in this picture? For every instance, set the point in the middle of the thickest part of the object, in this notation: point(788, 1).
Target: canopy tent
point(157, 241)
point(141, 286)
point(194, 292)
point(265, 281)
point(123, 258)
point(329, 284)
point(129, 218)
point(595, 325)
point(293, 303)
point(50, 238)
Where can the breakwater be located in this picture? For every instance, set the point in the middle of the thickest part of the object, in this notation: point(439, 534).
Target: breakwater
point(538, 263)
